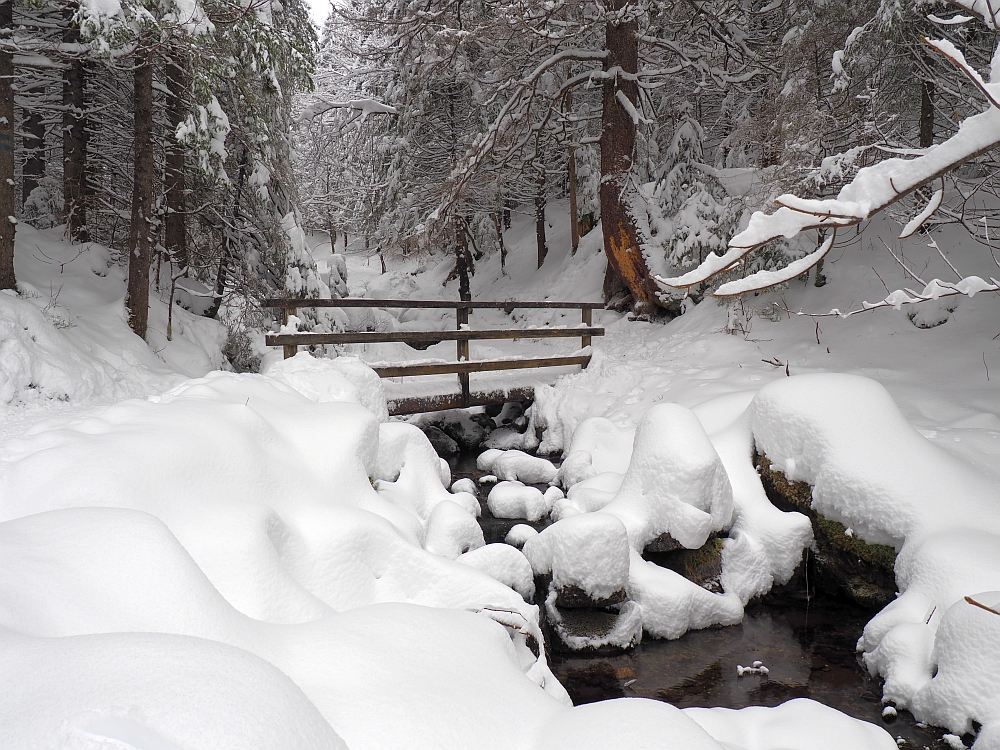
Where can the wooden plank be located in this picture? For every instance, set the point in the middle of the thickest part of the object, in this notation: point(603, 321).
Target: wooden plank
point(418, 404)
point(305, 339)
point(430, 303)
point(485, 365)
point(586, 316)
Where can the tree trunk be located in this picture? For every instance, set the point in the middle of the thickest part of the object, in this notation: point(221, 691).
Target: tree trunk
point(462, 263)
point(139, 241)
point(228, 256)
point(621, 237)
point(497, 226)
point(74, 140)
point(34, 154)
point(543, 249)
point(8, 224)
point(574, 215)
point(174, 224)
point(926, 114)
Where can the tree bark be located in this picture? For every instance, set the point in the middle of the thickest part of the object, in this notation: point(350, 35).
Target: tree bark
point(498, 227)
point(228, 256)
point(174, 224)
point(926, 114)
point(574, 214)
point(7, 222)
point(543, 249)
point(34, 154)
point(74, 139)
point(139, 242)
point(621, 236)
point(462, 263)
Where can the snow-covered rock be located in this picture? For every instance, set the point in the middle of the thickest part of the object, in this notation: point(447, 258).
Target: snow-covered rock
point(505, 564)
point(675, 482)
point(512, 499)
point(519, 466)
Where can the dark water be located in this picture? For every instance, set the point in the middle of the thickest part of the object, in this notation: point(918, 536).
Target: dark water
point(808, 648)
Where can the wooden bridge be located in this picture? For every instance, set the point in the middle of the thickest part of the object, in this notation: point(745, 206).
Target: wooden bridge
point(462, 335)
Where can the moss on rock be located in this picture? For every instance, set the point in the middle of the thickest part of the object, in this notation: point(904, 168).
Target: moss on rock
point(863, 572)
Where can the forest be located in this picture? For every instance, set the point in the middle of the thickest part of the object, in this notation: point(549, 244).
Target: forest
point(717, 281)
point(199, 139)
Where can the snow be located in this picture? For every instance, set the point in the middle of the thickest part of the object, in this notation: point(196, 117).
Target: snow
point(795, 724)
point(194, 562)
point(503, 563)
point(513, 499)
point(675, 482)
point(517, 465)
point(465, 485)
point(322, 380)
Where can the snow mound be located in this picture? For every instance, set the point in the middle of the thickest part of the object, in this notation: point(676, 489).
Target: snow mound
point(675, 482)
point(516, 465)
point(672, 605)
point(505, 564)
point(452, 531)
point(512, 499)
point(323, 380)
point(589, 551)
point(578, 466)
point(635, 723)
point(869, 468)
point(874, 473)
point(151, 691)
point(802, 724)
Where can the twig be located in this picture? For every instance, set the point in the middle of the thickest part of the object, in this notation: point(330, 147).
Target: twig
point(987, 367)
point(882, 280)
point(901, 263)
point(974, 603)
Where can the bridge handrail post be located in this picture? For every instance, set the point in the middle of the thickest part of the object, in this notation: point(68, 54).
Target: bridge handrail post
point(289, 350)
point(586, 316)
point(462, 346)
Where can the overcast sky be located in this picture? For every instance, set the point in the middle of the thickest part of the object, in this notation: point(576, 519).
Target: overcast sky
point(318, 11)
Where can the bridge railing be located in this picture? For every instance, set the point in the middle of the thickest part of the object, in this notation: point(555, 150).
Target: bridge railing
point(462, 335)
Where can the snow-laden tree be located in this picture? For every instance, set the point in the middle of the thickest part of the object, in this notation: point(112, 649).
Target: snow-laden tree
point(882, 185)
point(691, 215)
point(493, 98)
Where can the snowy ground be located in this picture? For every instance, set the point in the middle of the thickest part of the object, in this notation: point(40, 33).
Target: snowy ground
point(264, 560)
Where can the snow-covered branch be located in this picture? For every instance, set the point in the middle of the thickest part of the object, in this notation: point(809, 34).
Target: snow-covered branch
point(365, 106)
point(874, 188)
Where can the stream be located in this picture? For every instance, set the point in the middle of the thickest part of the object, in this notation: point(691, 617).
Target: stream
point(807, 646)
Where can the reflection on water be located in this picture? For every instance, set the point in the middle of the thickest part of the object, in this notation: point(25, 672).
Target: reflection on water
point(808, 649)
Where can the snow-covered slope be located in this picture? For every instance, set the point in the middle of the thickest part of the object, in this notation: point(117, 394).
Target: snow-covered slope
point(65, 340)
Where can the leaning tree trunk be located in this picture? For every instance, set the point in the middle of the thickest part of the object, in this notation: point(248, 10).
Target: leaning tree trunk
point(626, 264)
point(174, 225)
point(7, 222)
point(139, 242)
point(74, 139)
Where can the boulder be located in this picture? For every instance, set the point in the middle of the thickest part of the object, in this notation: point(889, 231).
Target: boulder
point(844, 563)
point(443, 445)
